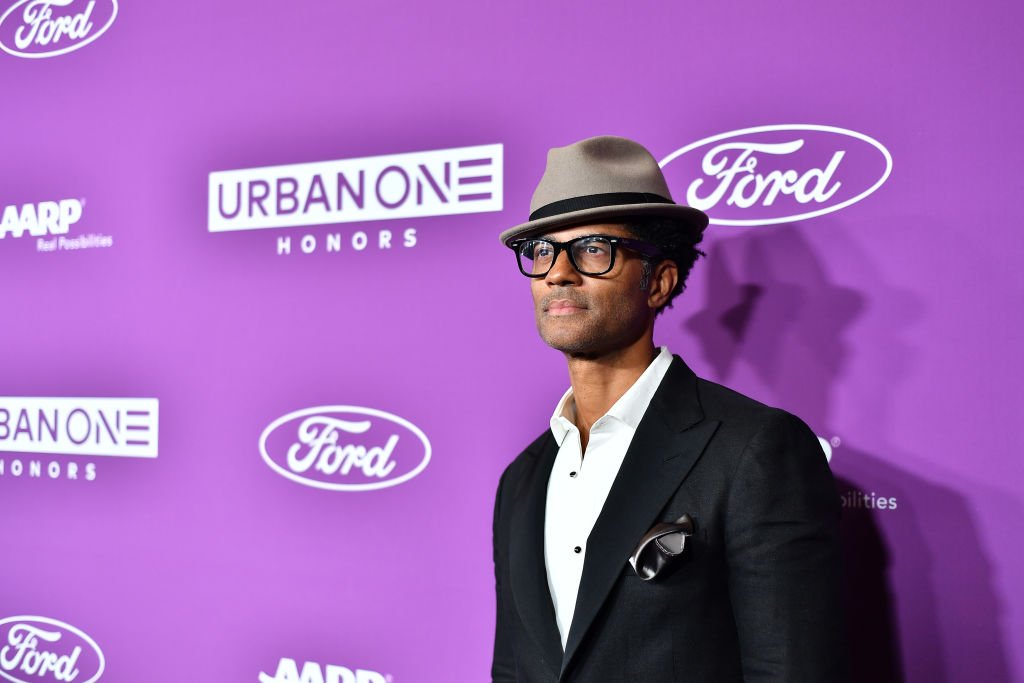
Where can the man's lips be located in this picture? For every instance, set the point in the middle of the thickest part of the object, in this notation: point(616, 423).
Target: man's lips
point(563, 307)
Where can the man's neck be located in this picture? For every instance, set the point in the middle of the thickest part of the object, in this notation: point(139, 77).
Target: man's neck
point(597, 383)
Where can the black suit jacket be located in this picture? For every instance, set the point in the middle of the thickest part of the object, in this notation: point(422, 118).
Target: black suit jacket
point(756, 595)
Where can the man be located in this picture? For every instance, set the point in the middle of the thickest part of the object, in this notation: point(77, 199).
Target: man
point(665, 528)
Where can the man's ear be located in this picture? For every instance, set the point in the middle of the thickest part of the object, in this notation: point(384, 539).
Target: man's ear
point(664, 277)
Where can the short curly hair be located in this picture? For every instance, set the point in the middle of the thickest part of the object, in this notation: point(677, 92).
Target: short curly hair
point(674, 242)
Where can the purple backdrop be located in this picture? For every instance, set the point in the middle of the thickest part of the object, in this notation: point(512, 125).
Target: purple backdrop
point(179, 539)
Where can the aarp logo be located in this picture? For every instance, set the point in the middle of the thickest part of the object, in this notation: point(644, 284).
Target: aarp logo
point(41, 219)
point(43, 650)
point(777, 174)
point(312, 672)
point(46, 28)
point(345, 448)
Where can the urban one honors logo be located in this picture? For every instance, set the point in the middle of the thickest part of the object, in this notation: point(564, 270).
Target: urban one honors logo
point(397, 186)
point(312, 672)
point(41, 650)
point(777, 174)
point(47, 28)
point(345, 448)
point(117, 427)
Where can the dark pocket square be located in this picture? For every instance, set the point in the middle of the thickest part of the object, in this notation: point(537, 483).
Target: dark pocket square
point(661, 547)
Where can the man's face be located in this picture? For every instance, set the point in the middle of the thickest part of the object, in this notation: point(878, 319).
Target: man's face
point(590, 316)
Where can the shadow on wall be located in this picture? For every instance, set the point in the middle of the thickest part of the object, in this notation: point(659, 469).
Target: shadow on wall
point(774, 316)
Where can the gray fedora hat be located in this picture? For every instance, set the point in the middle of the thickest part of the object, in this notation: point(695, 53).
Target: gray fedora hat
point(602, 178)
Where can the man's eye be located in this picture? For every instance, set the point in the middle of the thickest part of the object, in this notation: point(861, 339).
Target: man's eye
point(541, 251)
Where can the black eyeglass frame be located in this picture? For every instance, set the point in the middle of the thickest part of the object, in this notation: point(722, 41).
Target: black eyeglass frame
point(645, 249)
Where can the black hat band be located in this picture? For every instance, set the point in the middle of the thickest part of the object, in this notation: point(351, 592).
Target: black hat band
point(593, 201)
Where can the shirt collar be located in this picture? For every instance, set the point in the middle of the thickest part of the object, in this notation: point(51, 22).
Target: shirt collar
point(563, 420)
point(630, 407)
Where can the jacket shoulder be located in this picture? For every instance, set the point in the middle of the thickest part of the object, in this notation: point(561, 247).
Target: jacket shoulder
point(741, 416)
point(722, 403)
point(528, 456)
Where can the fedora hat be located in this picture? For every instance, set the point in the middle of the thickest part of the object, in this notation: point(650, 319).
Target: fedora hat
point(602, 178)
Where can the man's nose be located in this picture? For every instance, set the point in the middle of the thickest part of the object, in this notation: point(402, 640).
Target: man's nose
point(562, 271)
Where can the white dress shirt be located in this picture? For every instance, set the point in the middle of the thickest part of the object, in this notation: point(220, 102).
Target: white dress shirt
point(578, 487)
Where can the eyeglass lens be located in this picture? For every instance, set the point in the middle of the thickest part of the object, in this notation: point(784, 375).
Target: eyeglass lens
point(592, 255)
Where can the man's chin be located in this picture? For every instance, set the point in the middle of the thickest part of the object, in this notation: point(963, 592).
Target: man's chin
point(572, 345)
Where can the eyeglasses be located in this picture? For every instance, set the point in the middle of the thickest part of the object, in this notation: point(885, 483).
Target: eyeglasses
point(589, 254)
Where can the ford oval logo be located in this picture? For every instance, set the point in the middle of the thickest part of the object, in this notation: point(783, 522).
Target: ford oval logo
point(38, 649)
point(345, 448)
point(47, 28)
point(777, 174)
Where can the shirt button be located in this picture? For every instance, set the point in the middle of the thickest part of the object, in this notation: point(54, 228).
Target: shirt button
point(572, 474)
point(577, 550)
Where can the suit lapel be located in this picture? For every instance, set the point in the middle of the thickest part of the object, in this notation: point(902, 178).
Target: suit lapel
point(528, 574)
point(667, 443)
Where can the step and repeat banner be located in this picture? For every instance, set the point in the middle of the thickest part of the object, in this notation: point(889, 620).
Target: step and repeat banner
point(263, 358)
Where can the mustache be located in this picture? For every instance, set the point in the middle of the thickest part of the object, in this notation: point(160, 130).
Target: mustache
point(573, 297)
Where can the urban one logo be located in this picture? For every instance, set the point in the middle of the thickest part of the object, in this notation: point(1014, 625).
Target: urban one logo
point(46, 28)
point(345, 448)
point(415, 185)
point(117, 427)
point(39, 649)
point(777, 174)
point(312, 672)
point(125, 427)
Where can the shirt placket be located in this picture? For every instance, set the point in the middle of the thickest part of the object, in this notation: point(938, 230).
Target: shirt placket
point(578, 497)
